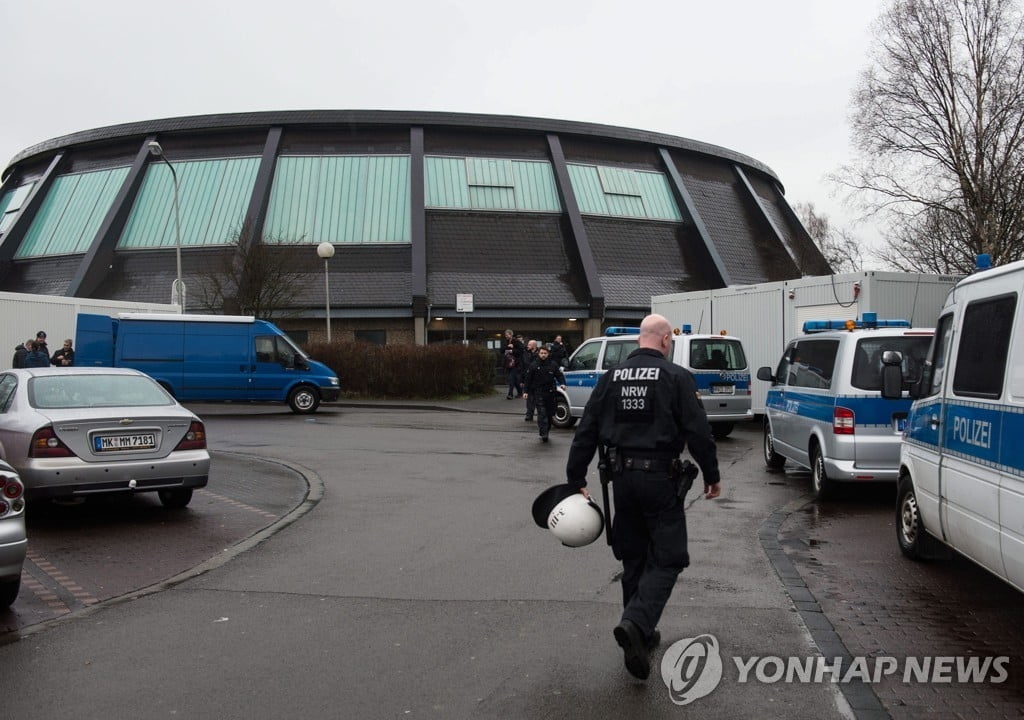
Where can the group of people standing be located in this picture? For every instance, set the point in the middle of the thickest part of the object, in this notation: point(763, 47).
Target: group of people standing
point(534, 371)
point(34, 352)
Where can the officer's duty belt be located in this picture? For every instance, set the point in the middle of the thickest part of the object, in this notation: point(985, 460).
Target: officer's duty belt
point(647, 464)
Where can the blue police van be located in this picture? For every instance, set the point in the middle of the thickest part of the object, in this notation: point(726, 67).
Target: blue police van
point(717, 362)
point(208, 357)
point(825, 411)
point(961, 464)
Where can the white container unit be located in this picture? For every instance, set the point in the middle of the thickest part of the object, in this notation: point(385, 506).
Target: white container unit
point(768, 315)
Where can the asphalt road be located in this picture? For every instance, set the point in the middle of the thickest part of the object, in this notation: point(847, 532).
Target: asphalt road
point(412, 582)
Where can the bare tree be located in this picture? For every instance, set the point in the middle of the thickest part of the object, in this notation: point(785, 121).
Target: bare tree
point(841, 249)
point(253, 277)
point(938, 123)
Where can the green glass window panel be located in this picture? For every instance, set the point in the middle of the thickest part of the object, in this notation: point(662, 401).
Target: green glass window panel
point(490, 172)
point(636, 193)
point(213, 197)
point(586, 185)
point(71, 213)
point(657, 195)
point(342, 199)
point(11, 203)
point(617, 181)
point(490, 184)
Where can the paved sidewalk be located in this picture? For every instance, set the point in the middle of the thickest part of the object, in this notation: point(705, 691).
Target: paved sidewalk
point(496, 402)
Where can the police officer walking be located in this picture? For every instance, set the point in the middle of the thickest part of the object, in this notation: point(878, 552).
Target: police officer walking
point(540, 383)
point(646, 411)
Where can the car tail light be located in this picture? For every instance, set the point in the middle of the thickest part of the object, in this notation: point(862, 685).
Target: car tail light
point(46, 444)
point(12, 488)
point(842, 421)
point(11, 491)
point(195, 438)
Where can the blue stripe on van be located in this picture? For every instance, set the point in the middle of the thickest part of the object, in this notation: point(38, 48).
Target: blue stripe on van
point(987, 433)
point(868, 410)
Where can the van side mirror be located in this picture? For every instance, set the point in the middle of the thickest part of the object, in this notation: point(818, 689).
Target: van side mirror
point(765, 373)
point(892, 375)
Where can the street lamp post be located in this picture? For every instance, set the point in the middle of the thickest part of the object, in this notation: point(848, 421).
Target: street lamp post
point(178, 289)
point(326, 251)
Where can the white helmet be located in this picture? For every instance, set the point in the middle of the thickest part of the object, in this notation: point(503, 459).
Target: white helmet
point(574, 519)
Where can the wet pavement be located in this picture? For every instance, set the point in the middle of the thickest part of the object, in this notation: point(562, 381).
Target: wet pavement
point(882, 604)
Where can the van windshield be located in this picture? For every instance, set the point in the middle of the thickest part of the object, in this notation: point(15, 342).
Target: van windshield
point(867, 360)
point(717, 354)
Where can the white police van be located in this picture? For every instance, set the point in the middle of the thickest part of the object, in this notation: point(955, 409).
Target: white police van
point(717, 362)
point(825, 409)
point(961, 471)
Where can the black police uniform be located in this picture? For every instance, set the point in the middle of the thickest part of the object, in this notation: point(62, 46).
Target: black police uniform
point(648, 410)
point(541, 379)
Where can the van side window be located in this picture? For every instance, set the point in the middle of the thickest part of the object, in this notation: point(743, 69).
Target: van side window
point(940, 353)
point(784, 374)
point(586, 357)
point(983, 346)
point(616, 352)
point(813, 363)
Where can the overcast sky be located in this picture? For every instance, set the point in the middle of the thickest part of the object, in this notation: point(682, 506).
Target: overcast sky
point(772, 80)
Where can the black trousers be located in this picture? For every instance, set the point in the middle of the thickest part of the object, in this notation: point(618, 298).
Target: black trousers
point(544, 403)
point(650, 538)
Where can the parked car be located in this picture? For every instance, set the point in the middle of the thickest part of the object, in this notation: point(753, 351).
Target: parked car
point(13, 542)
point(72, 432)
point(825, 409)
point(717, 363)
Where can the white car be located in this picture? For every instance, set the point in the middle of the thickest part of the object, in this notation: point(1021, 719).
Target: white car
point(76, 431)
point(13, 542)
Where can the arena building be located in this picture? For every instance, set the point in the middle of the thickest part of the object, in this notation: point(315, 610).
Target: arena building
point(551, 226)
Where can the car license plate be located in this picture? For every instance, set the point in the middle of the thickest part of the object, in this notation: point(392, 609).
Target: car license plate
point(113, 443)
point(722, 389)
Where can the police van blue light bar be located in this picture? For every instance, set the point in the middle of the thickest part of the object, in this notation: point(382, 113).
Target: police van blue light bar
point(867, 321)
point(622, 331)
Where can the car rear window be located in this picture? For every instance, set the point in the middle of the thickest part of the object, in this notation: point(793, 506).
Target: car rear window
point(717, 354)
point(88, 391)
point(867, 359)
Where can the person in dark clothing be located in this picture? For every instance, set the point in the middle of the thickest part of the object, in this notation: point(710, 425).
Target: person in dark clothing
point(529, 358)
point(540, 383)
point(36, 357)
point(559, 352)
point(41, 345)
point(65, 357)
point(646, 411)
point(20, 352)
point(513, 362)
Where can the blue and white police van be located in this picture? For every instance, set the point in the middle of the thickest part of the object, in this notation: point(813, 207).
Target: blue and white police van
point(961, 467)
point(717, 362)
point(825, 411)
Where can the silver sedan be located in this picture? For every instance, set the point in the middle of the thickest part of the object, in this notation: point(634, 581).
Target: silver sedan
point(13, 543)
point(80, 431)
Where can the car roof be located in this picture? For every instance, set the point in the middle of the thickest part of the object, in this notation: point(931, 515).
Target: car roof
point(873, 332)
point(53, 370)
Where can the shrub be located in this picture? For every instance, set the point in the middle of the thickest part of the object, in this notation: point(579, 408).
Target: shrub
point(407, 371)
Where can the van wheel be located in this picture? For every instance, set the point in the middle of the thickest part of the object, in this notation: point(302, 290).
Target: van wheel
point(914, 540)
point(820, 482)
point(175, 497)
point(563, 417)
point(771, 458)
point(722, 429)
point(9, 592)
point(304, 400)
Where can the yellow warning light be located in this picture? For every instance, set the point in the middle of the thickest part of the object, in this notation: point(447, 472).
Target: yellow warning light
point(851, 325)
point(723, 333)
point(676, 331)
